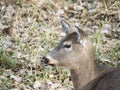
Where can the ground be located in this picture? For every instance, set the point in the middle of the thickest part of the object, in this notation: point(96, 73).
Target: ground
point(31, 28)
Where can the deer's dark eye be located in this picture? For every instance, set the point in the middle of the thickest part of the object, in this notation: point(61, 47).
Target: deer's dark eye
point(67, 46)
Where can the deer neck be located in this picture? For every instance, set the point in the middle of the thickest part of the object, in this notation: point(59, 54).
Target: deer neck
point(82, 74)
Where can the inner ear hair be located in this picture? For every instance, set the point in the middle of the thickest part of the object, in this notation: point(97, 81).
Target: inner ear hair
point(78, 33)
point(79, 36)
point(83, 42)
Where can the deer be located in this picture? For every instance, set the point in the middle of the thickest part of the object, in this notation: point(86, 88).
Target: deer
point(75, 51)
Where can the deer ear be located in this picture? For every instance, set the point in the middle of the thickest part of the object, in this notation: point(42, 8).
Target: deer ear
point(78, 33)
point(65, 26)
point(80, 40)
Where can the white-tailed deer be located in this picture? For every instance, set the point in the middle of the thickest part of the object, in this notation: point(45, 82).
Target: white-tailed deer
point(76, 52)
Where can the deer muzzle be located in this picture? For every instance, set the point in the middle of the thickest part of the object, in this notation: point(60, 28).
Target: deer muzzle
point(47, 60)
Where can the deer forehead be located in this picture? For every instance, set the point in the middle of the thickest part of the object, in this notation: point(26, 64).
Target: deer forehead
point(67, 42)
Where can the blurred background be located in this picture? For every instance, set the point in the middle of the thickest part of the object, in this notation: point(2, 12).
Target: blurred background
point(31, 28)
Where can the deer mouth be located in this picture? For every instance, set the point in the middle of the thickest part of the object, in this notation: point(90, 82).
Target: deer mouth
point(47, 64)
point(44, 64)
point(52, 65)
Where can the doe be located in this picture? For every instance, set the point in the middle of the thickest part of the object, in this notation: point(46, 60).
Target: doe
point(76, 52)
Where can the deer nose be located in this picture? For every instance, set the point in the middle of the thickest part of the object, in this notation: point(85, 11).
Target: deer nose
point(44, 60)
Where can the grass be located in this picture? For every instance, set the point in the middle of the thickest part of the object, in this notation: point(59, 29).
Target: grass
point(6, 60)
point(37, 27)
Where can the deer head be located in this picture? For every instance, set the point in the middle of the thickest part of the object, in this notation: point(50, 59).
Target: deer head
point(74, 49)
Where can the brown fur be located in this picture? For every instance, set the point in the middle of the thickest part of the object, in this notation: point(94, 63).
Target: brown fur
point(109, 80)
point(85, 73)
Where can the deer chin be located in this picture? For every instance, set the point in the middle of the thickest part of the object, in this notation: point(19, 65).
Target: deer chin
point(48, 64)
point(53, 63)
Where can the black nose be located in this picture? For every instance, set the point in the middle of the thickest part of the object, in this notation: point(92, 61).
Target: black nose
point(44, 60)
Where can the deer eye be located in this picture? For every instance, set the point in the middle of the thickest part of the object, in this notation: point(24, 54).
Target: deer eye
point(67, 46)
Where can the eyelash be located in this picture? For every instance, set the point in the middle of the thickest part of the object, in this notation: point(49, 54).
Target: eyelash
point(67, 46)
